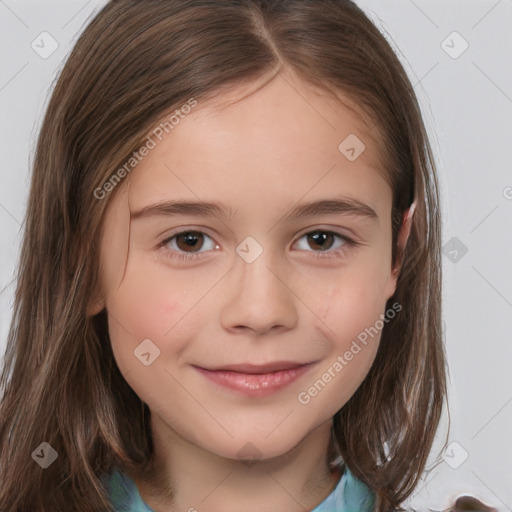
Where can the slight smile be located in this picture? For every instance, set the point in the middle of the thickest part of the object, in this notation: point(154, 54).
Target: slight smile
point(256, 380)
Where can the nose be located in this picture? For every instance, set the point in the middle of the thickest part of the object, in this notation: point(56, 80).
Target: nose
point(259, 297)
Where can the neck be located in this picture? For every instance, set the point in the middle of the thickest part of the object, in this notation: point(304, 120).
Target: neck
point(187, 477)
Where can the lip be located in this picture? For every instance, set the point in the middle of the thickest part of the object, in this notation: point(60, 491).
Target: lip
point(259, 368)
point(256, 380)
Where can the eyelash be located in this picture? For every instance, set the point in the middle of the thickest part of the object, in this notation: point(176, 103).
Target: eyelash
point(348, 243)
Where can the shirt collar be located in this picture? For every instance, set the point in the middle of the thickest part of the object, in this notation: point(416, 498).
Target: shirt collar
point(349, 495)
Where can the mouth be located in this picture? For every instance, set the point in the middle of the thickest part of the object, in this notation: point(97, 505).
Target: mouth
point(256, 380)
point(255, 369)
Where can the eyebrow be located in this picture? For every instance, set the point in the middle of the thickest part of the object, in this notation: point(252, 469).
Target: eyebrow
point(323, 207)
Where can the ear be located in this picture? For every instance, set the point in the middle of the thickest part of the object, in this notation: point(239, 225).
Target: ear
point(403, 236)
point(96, 305)
point(113, 257)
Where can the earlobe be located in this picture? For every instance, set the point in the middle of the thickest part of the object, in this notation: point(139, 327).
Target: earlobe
point(95, 306)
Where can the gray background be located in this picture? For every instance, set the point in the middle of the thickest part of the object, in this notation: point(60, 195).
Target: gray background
point(466, 97)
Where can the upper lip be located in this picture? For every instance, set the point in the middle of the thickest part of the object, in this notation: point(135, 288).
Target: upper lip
point(258, 369)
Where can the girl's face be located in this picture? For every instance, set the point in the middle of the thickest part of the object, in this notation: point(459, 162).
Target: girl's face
point(264, 277)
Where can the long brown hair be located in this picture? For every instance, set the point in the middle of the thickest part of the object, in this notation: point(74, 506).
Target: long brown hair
point(137, 61)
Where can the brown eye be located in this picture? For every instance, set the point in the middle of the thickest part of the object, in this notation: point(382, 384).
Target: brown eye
point(189, 240)
point(321, 243)
point(321, 240)
point(188, 246)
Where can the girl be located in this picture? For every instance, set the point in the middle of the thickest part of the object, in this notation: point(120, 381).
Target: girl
point(229, 286)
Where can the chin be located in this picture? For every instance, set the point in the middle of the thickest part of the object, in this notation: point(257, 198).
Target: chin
point(252, 447)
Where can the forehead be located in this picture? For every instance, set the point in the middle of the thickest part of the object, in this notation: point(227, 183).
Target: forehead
point(278, 136)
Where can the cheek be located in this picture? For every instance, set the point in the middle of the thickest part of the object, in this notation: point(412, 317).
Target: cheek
point(351, 299)
point(147, 305)
point(353, 328)
point(353, 317)
point(349, 304)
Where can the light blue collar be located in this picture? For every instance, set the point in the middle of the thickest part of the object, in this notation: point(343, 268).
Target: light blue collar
point(349, 495)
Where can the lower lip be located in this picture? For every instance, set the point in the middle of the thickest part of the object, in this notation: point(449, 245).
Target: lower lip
point(256, 385)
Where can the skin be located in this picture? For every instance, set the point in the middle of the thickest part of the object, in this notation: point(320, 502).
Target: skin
point(260, 151)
